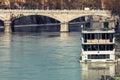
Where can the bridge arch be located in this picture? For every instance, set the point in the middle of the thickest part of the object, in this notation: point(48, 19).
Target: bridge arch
point(29, 16)
point(15, 16)
point(77, 16)
point(2, 19)
point(74, 25)
point(1, 26)
point(35, 22)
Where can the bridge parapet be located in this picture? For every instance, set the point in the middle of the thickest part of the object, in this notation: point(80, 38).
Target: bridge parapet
point(57, 14)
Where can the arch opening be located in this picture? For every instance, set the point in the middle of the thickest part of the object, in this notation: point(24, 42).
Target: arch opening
point(1, 26)
point(35, 23)
point(75, 24)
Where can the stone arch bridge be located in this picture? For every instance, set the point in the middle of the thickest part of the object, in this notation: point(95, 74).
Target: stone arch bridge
point(64, 16)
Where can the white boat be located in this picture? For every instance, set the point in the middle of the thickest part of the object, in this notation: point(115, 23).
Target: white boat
point(98, 41)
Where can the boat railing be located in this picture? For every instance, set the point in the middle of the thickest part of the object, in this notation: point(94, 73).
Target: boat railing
point(96, 29)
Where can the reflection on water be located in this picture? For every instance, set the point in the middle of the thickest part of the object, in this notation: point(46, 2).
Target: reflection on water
point(39, 56)
point(5, 39)
point(93, 71)
point(47, 56)
point(64, 35)
point(5, 43)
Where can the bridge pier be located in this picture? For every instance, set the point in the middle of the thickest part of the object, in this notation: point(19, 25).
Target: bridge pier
point(64, 27)
point(7, 26)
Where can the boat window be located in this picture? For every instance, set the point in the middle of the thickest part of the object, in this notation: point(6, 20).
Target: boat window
point(111, 47)
point(92, 36)
point(99, 56)
point(98, 36)
point(84, 47)
point(107, 36)
point(111, 37)
point(85, 37)
point(88, 36)
point(94, 47)
point(103, 36)
point(87, 24)
point(101, 47)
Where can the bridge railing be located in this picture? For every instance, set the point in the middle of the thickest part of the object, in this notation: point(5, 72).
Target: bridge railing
point(37, 10)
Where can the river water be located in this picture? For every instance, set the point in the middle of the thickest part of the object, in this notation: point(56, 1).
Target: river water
point(46, 56)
